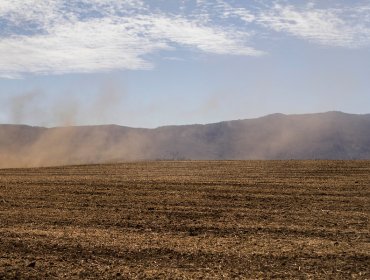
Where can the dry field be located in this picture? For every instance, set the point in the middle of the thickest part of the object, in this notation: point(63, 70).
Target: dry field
point(187, 220)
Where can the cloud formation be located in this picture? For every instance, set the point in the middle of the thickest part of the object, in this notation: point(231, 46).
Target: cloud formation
point(343, 27)
point(82, 36)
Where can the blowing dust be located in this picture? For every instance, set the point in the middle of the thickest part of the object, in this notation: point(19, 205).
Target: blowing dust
point(64, 142)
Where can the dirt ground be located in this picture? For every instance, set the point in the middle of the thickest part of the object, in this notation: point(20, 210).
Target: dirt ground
point(187, 220)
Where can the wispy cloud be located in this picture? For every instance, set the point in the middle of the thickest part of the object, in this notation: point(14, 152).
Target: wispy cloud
point(332, 27)
point(94, 45)
point(340, 25)
point(100, 35)
point(60, 36)
point(210, 39)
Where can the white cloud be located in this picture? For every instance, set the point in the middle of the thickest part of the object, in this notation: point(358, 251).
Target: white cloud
point(101, 35)
point(341, 25)
point(332, 27)
point(66, 36)
point(95, 45)
point(22, 12)
point(208, 39)
point(228, 10)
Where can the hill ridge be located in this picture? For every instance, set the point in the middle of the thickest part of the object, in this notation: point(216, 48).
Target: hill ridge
point(329, 135)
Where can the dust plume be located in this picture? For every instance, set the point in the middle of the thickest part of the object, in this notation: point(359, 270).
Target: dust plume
point(32, 146)
point(331, 135)
point(108, 100)
point(65, 142)
point(24, 105)
point(80, 104)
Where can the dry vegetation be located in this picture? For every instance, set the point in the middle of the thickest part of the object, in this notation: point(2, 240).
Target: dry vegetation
point(187, 220)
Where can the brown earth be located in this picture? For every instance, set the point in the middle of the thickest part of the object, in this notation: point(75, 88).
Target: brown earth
point(187, 220)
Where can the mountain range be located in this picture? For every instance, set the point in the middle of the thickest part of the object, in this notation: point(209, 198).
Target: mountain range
point(330, 135)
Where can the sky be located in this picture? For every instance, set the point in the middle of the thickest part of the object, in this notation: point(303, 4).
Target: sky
point(164, 62)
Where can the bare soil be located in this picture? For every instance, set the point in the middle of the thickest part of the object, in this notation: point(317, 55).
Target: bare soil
point(187, 220)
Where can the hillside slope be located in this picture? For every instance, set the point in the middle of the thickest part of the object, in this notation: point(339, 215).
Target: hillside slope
point(332, 135)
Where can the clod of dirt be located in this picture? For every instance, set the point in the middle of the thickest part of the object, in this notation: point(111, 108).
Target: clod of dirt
point(193, 232)
point(32, 264)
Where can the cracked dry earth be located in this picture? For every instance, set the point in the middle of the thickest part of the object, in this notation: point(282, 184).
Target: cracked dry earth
point(187, 220)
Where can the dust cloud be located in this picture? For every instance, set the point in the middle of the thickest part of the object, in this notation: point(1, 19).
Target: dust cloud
point(64, 142)
point(68, 107)
point(32, 146)
point(331, 135)
point(21, 106)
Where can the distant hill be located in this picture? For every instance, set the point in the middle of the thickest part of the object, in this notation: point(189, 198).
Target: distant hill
point(331, 135)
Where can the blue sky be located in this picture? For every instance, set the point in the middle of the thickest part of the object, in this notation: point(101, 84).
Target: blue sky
point(151, 63)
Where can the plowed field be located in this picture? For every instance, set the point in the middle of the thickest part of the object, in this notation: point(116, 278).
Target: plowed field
point(187, 220)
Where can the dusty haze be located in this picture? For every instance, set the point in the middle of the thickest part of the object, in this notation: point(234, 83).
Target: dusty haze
point(331, 135)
